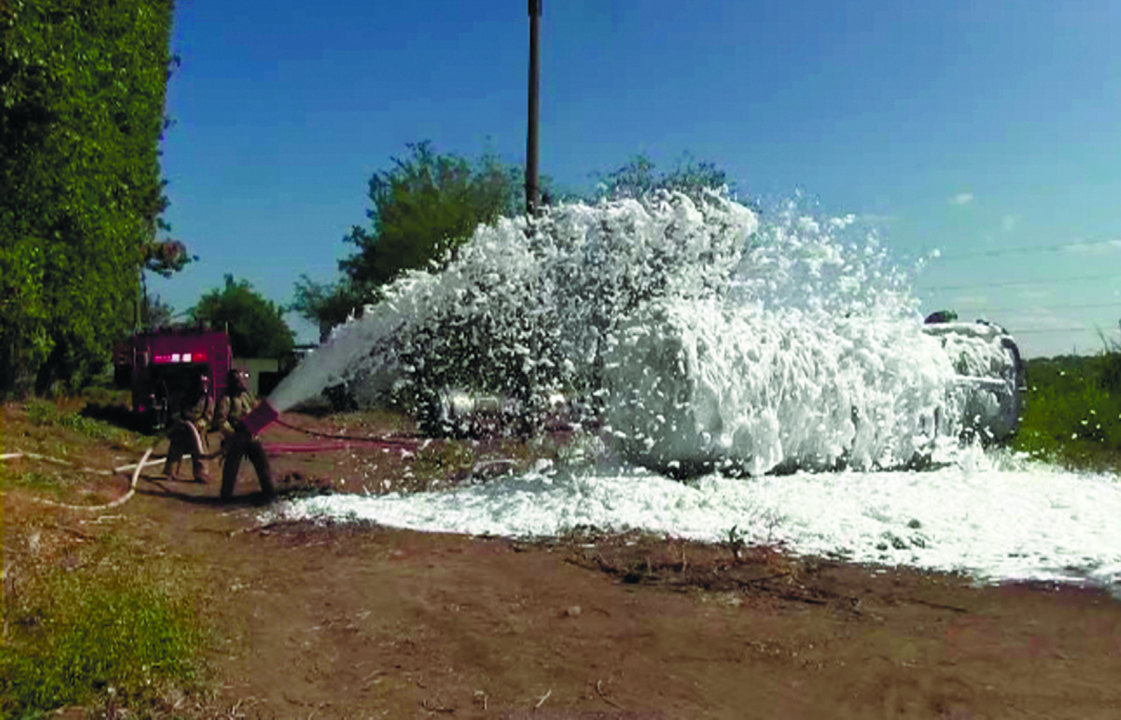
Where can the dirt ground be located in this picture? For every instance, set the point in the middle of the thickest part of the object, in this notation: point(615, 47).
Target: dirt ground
point(363, 622)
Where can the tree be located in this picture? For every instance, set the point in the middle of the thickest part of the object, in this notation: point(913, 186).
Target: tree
point(256, 325)
point(429, 204)
point(83, 87)
point(637, 178)
point(328, 305)
point(165, 258)
point(426, 206)
point(154, 312)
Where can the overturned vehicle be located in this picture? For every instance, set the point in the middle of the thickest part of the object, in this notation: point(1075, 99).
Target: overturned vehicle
point(686, 394)
point(694, 392)
point(689, 335)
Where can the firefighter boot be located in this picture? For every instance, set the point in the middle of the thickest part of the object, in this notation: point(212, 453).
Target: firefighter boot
point(171, 469)
point(201, 476)
point(230, 465)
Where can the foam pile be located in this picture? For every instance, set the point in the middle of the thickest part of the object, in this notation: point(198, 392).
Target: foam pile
point(702, 337)
point(697, 385)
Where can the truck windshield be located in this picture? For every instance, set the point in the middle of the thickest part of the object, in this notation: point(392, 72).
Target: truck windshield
point(173, 382)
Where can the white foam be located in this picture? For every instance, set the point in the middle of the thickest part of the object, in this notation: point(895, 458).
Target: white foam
point(703, 382)
point(995, 520)
point(529, 303)
point(702, 334)
point(706, 336)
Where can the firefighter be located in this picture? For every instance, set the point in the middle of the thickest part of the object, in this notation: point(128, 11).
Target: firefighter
point(236, 439)
point(188, 431)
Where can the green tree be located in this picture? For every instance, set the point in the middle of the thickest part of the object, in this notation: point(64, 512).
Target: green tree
point(327, 304)
point(424, 207)
point(428, 204)
point(636, 178)
point(83, 87)
point(256, 325)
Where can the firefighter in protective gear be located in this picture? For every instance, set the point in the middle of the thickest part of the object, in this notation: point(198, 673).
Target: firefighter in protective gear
point(188, 433)
point(236, 403)
point(237, 442)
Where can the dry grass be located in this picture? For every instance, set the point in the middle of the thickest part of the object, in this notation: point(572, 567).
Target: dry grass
point(92, 616)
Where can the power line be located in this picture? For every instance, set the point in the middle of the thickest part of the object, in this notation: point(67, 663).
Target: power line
point(1114, 304)
point(1028, 250)
point(1051, 281)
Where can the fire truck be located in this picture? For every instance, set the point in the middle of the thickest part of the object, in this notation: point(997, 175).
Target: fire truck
point(162, 366)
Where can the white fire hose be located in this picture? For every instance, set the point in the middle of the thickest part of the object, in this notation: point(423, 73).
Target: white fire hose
point(137, 467)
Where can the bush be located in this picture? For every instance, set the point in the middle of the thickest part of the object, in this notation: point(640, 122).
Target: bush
point(47, 414)
point(1073, 411)
point(1107, 367)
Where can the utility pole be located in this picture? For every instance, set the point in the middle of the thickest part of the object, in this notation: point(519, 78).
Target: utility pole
point(531, 152)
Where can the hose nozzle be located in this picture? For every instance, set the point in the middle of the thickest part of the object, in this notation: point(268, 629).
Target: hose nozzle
point(261, 417)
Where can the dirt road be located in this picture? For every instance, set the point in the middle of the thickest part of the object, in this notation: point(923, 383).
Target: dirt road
point(361, 622)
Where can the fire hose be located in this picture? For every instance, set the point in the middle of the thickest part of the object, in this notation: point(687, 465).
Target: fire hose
point(107, 506)
point(135, 467)
point(262, 416)
point(349, 438)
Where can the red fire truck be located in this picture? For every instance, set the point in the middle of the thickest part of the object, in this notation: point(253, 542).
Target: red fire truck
point(161, 366)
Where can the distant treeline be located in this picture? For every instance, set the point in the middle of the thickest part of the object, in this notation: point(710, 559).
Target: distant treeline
point(82, 91)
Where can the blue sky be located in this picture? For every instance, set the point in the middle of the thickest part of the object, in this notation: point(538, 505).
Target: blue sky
point(985, 129)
